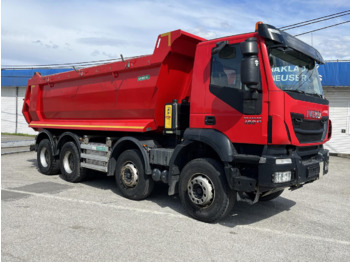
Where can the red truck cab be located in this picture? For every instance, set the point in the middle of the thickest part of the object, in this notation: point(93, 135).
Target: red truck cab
point(263, 92)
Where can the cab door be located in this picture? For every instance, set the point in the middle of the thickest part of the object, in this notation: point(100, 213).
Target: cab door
point(229, 106)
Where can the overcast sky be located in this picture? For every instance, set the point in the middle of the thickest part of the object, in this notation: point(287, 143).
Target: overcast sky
point(37, 32)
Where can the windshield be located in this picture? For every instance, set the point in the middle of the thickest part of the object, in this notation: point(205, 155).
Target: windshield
point(294, 71)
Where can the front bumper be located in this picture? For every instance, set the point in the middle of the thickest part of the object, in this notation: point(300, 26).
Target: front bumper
point(304, 169)
point(306, 165)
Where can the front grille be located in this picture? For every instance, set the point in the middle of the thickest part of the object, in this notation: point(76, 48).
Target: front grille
point(307, 152)
point(309, 131)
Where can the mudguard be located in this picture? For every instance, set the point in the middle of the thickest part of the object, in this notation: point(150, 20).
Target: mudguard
point(118, 146)
point(213, 138)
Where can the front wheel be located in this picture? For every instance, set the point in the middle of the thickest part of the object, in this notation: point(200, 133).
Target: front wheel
point(204, 192)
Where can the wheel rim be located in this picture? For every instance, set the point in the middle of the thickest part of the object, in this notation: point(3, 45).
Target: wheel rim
point(129, 175)
point(44, 157)
point(201, 190)
point(68, 162)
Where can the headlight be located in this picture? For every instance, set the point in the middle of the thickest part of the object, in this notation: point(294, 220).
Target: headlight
point(282, 177)
point(283, 161)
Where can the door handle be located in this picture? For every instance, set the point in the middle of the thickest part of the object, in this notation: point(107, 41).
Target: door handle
point(210, 120)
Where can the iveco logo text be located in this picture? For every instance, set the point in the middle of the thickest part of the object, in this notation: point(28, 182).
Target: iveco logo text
point(252, 120)
point(313, 114)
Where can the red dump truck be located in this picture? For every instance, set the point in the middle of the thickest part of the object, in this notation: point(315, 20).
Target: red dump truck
point(240, 117)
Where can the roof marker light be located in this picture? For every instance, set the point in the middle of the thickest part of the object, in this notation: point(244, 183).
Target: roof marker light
point(257, 25)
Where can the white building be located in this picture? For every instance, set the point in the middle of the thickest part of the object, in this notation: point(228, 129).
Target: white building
point(13, 88)
point(336, 84)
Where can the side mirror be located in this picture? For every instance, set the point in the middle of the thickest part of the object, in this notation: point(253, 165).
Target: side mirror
point(250, 70)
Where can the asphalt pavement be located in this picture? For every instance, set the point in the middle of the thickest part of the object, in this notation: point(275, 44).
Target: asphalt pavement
point(45, 218)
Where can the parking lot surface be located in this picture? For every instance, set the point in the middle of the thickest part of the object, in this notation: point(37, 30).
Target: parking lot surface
point(45, 218)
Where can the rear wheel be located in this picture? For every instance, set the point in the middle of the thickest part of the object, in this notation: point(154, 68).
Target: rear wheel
point(204, 192)
point(70, 163)
point(47, 163)
point(130, 176)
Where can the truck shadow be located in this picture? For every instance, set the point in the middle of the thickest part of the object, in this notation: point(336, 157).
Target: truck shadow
point(243, 213)
point(33, 162)
point(158, 196)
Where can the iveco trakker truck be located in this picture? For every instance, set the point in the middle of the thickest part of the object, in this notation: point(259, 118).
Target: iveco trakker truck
point(239, 117)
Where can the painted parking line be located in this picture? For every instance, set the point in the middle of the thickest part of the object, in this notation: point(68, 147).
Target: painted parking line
point(141, 210)
point(108, 205)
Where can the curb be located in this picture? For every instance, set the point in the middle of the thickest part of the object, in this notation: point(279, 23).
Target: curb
point(17, 143)
point(340, 155)
point(15, 152)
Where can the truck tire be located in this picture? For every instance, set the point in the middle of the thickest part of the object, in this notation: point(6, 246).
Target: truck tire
point(130, 176)
point(70, 163)
point(47, 163)
point(204, 192)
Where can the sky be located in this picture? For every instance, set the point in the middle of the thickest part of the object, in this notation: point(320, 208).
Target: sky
point(38, 32)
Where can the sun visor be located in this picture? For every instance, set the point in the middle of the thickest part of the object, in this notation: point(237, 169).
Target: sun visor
point(281, 37)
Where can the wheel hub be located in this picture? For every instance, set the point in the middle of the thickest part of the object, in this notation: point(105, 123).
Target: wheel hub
point(68, 162)
point(200, 190)
point(129, 175)
point(44, 157)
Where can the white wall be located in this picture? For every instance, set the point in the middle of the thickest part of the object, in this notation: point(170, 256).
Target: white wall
point(339, 113)
point(8, 111)
point(339, 102)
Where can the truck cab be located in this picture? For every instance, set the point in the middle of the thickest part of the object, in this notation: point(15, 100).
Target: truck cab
point(263, 93)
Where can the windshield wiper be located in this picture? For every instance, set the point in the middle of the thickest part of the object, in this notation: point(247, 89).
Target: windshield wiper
point(296, 91)
point(315, 94)
point(303, 92)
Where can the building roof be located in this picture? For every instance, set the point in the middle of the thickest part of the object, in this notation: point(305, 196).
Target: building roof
point(16, 77)
point(335, 73)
